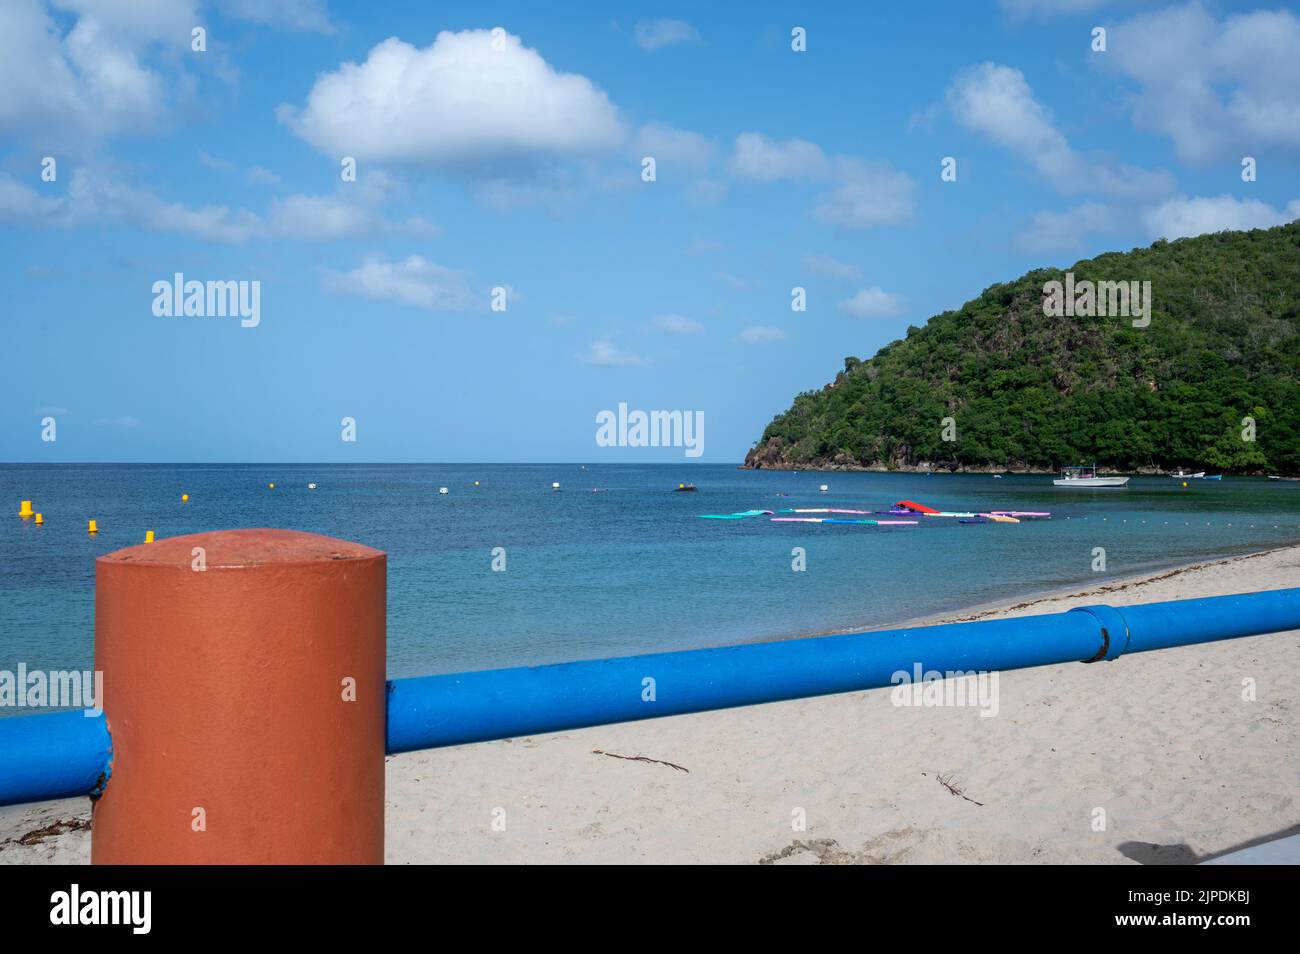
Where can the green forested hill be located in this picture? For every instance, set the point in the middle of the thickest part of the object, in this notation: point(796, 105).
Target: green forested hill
point(1029, 391)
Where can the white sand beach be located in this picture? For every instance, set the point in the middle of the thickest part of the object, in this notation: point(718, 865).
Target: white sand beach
point(1164, 744)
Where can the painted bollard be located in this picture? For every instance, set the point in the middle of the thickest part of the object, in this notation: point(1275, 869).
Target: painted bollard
point(245, 695)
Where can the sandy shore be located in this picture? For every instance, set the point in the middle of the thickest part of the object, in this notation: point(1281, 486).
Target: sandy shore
point(1161, 746)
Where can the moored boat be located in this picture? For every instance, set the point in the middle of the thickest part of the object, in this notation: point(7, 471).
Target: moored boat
point(1086, 477)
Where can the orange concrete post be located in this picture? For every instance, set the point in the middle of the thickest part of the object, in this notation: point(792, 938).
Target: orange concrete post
point(244, 689)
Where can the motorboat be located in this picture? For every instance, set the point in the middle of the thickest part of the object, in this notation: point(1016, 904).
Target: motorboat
point(1085, 477)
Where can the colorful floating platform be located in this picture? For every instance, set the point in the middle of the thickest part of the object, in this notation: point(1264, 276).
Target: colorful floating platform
point(903, 508)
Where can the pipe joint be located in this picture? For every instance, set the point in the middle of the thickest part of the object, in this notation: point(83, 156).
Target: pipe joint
point(1114, 631)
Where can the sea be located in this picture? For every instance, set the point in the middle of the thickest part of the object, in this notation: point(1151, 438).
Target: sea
point(616, 561)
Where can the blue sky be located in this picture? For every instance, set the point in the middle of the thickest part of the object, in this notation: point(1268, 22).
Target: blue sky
point(515, 161)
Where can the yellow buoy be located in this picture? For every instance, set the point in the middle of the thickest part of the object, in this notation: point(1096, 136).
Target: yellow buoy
point(93, 528)
point(270, 486)
point(40, 519)
point(25, 509)
point(1184, 483)
point(148, 536)
point(476, 483)
point(185, 498)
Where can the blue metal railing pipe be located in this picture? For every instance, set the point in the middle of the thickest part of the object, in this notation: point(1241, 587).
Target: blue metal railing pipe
point(434, 711)
point(52, 755)
point(64, 754)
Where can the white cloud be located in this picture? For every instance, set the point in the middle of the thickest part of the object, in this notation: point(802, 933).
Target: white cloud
point(831, 267)
point(866, 196)
point(139, 21)
point(458, 102)
point(103, 197)
point(872, 303)
point(767, 160)
point(216, 163)
point(677, 146)
point(760, 334)
point(94, 198)
point(19, 203)
point(677, 325)
point(654, 35)
point(309, 16)
point(1218, 89)
point(995, 102)
point(1181, 216)
point(603, 354)
point(322, 217)
point(414, 281)
point(862, 195)
point(1065, 231)
point(89, 84)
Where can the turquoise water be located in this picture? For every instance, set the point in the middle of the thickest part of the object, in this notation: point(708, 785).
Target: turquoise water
point(628, 570)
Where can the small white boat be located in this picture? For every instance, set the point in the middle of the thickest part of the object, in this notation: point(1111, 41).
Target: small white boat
point(1083, 477)
point(1183, 475)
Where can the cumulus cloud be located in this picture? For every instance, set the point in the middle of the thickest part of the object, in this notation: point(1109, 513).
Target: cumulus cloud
point(468, 98)
point(861, 194)
point(677, 325)
point(603, 354)
point(89, 83)
point(1182, 216)
point(414, 281)
point(654, 35)
point(1218, 89)
point(996, 103)
point(872, 303)
point(760, 334)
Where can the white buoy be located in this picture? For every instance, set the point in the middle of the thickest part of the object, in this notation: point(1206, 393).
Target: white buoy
point(825, 488)
point(311, 486)
point(555, 485)
point(443, 490)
